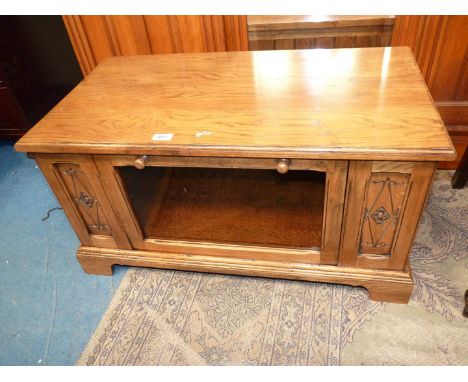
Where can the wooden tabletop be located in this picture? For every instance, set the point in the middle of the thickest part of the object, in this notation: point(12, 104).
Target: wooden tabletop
point(366, 103)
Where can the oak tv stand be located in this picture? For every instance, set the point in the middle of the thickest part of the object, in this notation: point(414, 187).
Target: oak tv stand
point(307, 164)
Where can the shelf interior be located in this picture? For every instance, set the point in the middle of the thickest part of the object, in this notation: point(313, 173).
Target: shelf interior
point(229, 206)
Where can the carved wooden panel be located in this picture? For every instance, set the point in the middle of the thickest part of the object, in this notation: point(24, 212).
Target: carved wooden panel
point(77, 186)
point(384, 201)
point(84, 198)
point(384, 205)
point(96, 37)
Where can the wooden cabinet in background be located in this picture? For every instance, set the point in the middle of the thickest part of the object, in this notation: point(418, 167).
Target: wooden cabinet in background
point(37, 69)
point(13, 121)
point(304, 32)
point(96, 37)
point(440, 46)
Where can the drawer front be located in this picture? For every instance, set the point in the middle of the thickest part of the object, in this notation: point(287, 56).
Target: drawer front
point(266, 209)
point(75, 182)
point(383, 205)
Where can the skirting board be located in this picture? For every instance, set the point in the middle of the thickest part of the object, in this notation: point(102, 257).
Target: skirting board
point(382, 285)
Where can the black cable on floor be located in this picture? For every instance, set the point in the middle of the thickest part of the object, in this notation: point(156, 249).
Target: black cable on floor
point(48, 213)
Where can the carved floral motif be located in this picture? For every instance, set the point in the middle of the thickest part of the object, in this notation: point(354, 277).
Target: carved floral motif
point(385, 197)
point(86, 202)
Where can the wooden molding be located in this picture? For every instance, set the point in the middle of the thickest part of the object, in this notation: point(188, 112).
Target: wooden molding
point(391, 286)
point(80, 43)
point(453, 112)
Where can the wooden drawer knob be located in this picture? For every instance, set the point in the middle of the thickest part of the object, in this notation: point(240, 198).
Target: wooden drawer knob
point(140, 162)
point(283, 166)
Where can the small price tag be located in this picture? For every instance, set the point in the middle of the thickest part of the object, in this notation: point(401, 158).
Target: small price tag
point(162, 137)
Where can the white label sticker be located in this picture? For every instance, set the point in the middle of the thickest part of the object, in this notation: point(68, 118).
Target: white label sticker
point(202, 133)
point(162, 137)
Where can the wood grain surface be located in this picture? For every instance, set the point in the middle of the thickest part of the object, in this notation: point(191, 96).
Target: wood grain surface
point(369, 103)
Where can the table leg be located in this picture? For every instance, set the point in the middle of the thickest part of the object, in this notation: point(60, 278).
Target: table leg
point(460, 177)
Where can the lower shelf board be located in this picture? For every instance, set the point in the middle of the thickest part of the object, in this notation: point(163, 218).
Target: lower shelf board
point(382, 285)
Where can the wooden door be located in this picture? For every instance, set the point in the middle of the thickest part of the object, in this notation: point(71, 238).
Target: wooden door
point(440, 46)
point(96, 37)
point(384, 202)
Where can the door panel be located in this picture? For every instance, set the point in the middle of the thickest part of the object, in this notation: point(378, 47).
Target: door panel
point(75, 182)
point(383, 205)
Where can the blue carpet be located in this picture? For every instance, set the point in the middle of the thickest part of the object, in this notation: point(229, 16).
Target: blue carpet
point(49, 307)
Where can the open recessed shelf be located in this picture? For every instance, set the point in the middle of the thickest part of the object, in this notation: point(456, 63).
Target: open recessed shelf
point(229, 206)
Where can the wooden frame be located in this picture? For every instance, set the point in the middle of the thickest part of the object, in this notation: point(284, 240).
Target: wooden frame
point(335, 188)
point(386, 278)
point(338, 261)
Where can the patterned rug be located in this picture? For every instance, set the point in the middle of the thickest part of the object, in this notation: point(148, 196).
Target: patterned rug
point(162, 317)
